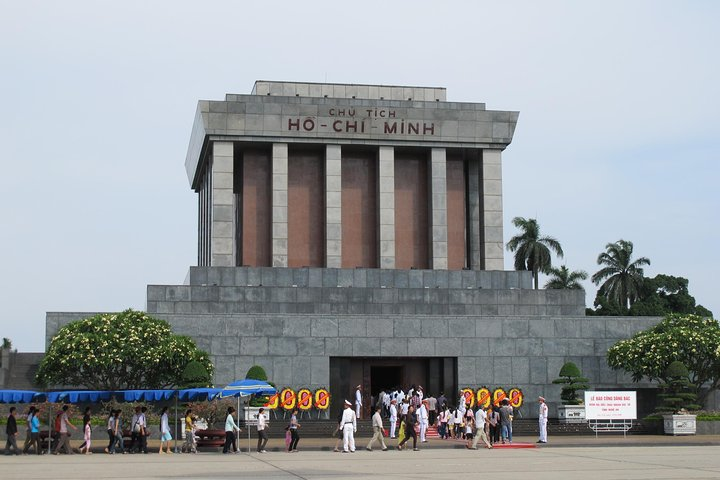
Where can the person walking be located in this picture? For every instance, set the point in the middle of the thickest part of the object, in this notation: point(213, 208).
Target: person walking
point(480, 430)
point(542, 419)
point(230, 429)
point(34, 423)
point(12, 432)
point(506, 419)
point(393, 417)
point(118, 439)
point(28, 418)
point(262, 431)
point(165, 435)
point(349, 427)
point(110, 430)
point(64, 441)
point(410, 422)
point(377, 430)
point(86, 419)
point(87, 433)
point(294, 435)
point(190, 446)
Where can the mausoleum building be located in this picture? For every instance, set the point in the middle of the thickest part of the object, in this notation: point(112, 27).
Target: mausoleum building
point(353, 234)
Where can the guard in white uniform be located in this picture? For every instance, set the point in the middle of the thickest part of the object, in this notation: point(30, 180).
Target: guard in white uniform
point(393, 417)
point(348, 424)
point(542, 419)
point(422, 416)
point(358, 401)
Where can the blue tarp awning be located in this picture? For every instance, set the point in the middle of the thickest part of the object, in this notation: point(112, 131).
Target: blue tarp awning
point(192, 394)
point(79, 396)
point(19, 396)
point(146, 395)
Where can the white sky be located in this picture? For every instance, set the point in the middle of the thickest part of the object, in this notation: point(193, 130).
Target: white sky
point(618, 134)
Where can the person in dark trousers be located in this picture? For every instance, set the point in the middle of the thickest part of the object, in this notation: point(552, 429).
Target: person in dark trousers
point(294, 435)
point(230, 429)
point(12, 432)
point(262, 431)
point(410, 422)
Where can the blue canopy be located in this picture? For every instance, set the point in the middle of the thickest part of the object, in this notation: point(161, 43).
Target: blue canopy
point(192, 394)
point(247, 387)
point(146, 395)
point(79, 396)
point(19, 396)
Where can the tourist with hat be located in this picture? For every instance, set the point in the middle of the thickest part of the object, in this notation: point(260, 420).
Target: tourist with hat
point(377, 430)
point(349, 427)
point(542, 419)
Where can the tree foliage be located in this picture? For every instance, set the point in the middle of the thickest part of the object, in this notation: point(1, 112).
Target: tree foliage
point(690, 339)
point(128, 350)
point(659, 296)
point(571, 380)
point(532, 251)
point(621, 277)
point(564, 279)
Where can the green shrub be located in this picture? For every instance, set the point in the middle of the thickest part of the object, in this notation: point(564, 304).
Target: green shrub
point(256, 372)
point(195, 375)
point(677, 390)
point(571, 380)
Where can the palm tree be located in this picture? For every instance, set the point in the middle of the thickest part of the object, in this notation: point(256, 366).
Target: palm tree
point(564, 279)
point(623, 277)
point(532, 252)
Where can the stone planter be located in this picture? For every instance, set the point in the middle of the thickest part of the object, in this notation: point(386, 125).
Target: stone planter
point(571, 413)
point(679, 424)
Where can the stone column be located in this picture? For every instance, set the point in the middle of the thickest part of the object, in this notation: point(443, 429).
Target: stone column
point(386, 173)
point(279, 205)
point(438, 199)
point(333, 206)
point(474, 206)
point(222, 230)
point(492, 214)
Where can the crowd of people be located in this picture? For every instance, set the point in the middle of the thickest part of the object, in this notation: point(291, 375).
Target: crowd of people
point(409, 415)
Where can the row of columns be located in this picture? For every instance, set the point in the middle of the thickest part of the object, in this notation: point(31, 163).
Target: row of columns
point(485, 234)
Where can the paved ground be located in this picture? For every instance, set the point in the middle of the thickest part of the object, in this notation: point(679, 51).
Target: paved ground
point(609, 458)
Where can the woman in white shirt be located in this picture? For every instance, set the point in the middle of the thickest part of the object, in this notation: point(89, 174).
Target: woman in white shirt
point(230, 429)
point(165, 435)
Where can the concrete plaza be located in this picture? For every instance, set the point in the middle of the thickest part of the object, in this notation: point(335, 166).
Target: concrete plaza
point(652, 457)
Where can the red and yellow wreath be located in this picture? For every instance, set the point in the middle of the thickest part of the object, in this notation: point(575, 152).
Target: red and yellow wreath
point(288, 398)
point(322, 399)
point(304, 399)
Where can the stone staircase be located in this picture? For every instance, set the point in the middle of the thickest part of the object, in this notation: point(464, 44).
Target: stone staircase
point(312, 428)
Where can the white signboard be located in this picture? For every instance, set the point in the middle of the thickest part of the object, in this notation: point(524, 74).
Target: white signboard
point(610, 405)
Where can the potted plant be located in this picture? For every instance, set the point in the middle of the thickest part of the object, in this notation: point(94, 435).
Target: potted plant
point(676, 399)
point(572, 409)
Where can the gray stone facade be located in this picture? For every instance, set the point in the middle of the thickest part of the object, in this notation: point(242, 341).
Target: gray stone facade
point(293, 321)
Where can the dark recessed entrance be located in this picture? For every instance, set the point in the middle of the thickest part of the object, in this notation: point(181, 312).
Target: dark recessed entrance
point(436, 374)
point(385, 378)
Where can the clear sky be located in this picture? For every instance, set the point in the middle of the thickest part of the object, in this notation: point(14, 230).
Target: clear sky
point(618, 135)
